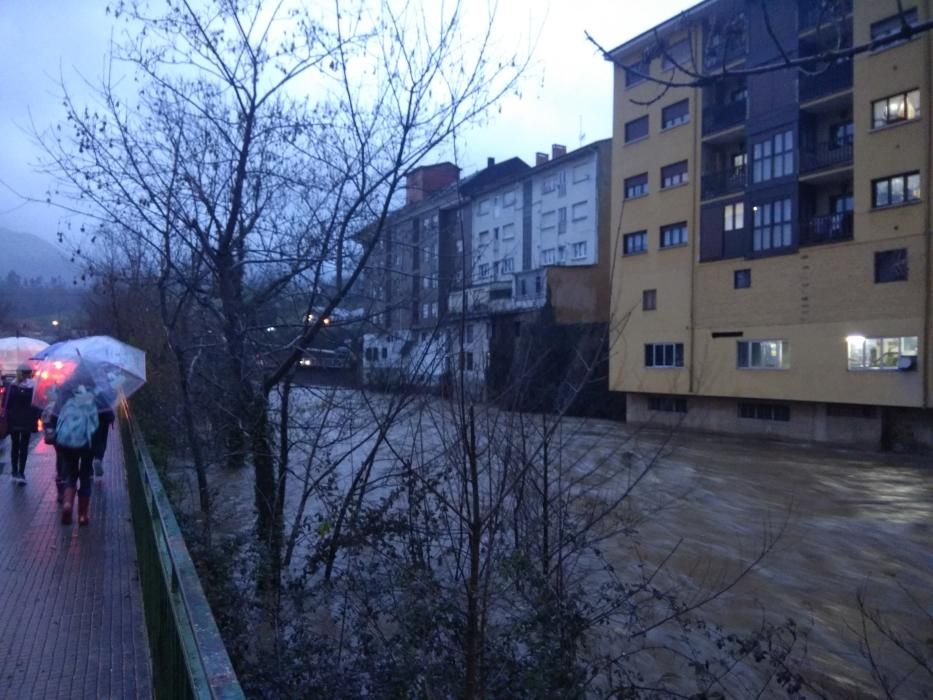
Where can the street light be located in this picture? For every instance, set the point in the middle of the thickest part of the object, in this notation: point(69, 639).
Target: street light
point(55, 322)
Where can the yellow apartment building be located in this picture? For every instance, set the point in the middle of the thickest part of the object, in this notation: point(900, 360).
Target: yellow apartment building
point(772, 229)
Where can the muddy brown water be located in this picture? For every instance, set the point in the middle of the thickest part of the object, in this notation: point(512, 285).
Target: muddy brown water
point(850, 521)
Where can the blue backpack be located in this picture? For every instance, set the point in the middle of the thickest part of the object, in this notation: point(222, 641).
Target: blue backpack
point(77, 421)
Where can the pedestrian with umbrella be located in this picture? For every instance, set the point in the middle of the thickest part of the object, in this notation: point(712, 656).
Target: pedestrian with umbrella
point(22, 420)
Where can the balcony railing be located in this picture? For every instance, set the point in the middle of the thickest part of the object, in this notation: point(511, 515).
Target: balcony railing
point(826, 229)
point(723, 182)
point(826, 154)
point(823, 14)
point(835, 78)
point(719, 117)
point(731, 50)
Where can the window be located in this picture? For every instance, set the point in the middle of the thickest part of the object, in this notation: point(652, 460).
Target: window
point(578, 250)
point(879, 353)
point(508, 232)
point(734, 216)
point(842, 410)
point(483, 270)
point(674, 235)
point(508, 198)
point(674, 174)
point(649, 300)
point(562, 220)
point(636, 72)
point(897, 189)
point(548, 219)
point(675, 114)
point(841, 203)
point(549, 183)
point(469, 360)
point(772, 225)
point(842, 134)
point(895, 109)
point(677, 53)
point(636, 186)
point(508, 265)
point(667, 404)
point(773, 157)
point(742, 279)
point(764, 411)
point(664, 355)
point(468, 336)
point(434, 308)
point(548, 256)
point(636, 129)
point(763, 354)
point(635, 242)
point(581, 173)
point(891, 265)
point(891, 26)
point(484, 207)
point(385, 353)
point(579, 211)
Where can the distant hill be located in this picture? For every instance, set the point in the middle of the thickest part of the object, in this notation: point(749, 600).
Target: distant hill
point(30, 256)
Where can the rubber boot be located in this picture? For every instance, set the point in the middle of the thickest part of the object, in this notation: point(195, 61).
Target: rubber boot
point(68, 505)
point(84, 503)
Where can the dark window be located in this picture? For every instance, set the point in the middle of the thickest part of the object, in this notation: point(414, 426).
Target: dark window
point(675, 114)
point(742, 279)
point(385, 353)
point(764, 411)
point(636, 186)
point(891, 265)
point(891, 26)
point(895, 108)
point(842, 134)
point(674, 235)
point(635, 242)
point(636, 129)
point(773, 157)
point(677, 53)
point(667, 404)
point(762, 354)
point(649, 300)
point(469, 360)
point(842, 410)
point(636, 73)
point(772, 225)
point(897, 189)
point(664, 355)
point(674, 174)
point(841, 203)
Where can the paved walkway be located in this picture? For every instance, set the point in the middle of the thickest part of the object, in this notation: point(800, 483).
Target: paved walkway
point(71, 615)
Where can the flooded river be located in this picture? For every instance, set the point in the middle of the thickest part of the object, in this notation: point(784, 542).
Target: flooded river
point(845, 523)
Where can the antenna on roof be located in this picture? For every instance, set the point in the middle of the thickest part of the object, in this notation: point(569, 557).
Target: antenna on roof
point(582, 134)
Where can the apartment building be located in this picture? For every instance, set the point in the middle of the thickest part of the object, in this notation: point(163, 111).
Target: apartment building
point(418, 258)
point(540, 248)
point(774, 228)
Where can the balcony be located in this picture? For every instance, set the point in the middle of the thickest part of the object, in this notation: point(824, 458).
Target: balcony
point(722, 182)
point(826, 154)
point(723, 116)
point(826, 229)
point(818, 14)
point(835, 78)
point(726, 53)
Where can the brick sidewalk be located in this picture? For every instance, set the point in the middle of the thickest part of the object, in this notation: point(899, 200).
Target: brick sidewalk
point(71, 616)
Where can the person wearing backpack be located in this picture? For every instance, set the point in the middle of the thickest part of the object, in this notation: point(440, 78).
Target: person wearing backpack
point(75, 422)
point(22, 421)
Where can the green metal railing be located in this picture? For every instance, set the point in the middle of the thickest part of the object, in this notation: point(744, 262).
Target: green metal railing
point(189, 659)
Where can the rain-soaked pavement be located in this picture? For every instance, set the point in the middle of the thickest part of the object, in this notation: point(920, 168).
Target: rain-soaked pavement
point(847, 522)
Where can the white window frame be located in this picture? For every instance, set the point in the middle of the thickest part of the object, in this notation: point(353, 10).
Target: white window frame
point(508, 232)
point(861, 359)
point(578, 250)
point(733, 216)
point(578, 211)
point(763, 354)
point(549, 256)
point(659, 351)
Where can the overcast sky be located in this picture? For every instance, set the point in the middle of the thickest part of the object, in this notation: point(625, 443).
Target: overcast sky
point(567, 97)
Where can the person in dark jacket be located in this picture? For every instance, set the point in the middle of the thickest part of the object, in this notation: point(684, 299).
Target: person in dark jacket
point(22, 420)
point(99, 441)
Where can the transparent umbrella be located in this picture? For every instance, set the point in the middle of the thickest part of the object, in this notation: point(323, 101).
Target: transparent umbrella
point(14, 351)
point(113, 369)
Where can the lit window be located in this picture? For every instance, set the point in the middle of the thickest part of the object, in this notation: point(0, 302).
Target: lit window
point(895, 109)
point(879, 353)
point(773, 157)
point(762, 354)
point(734, 216)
